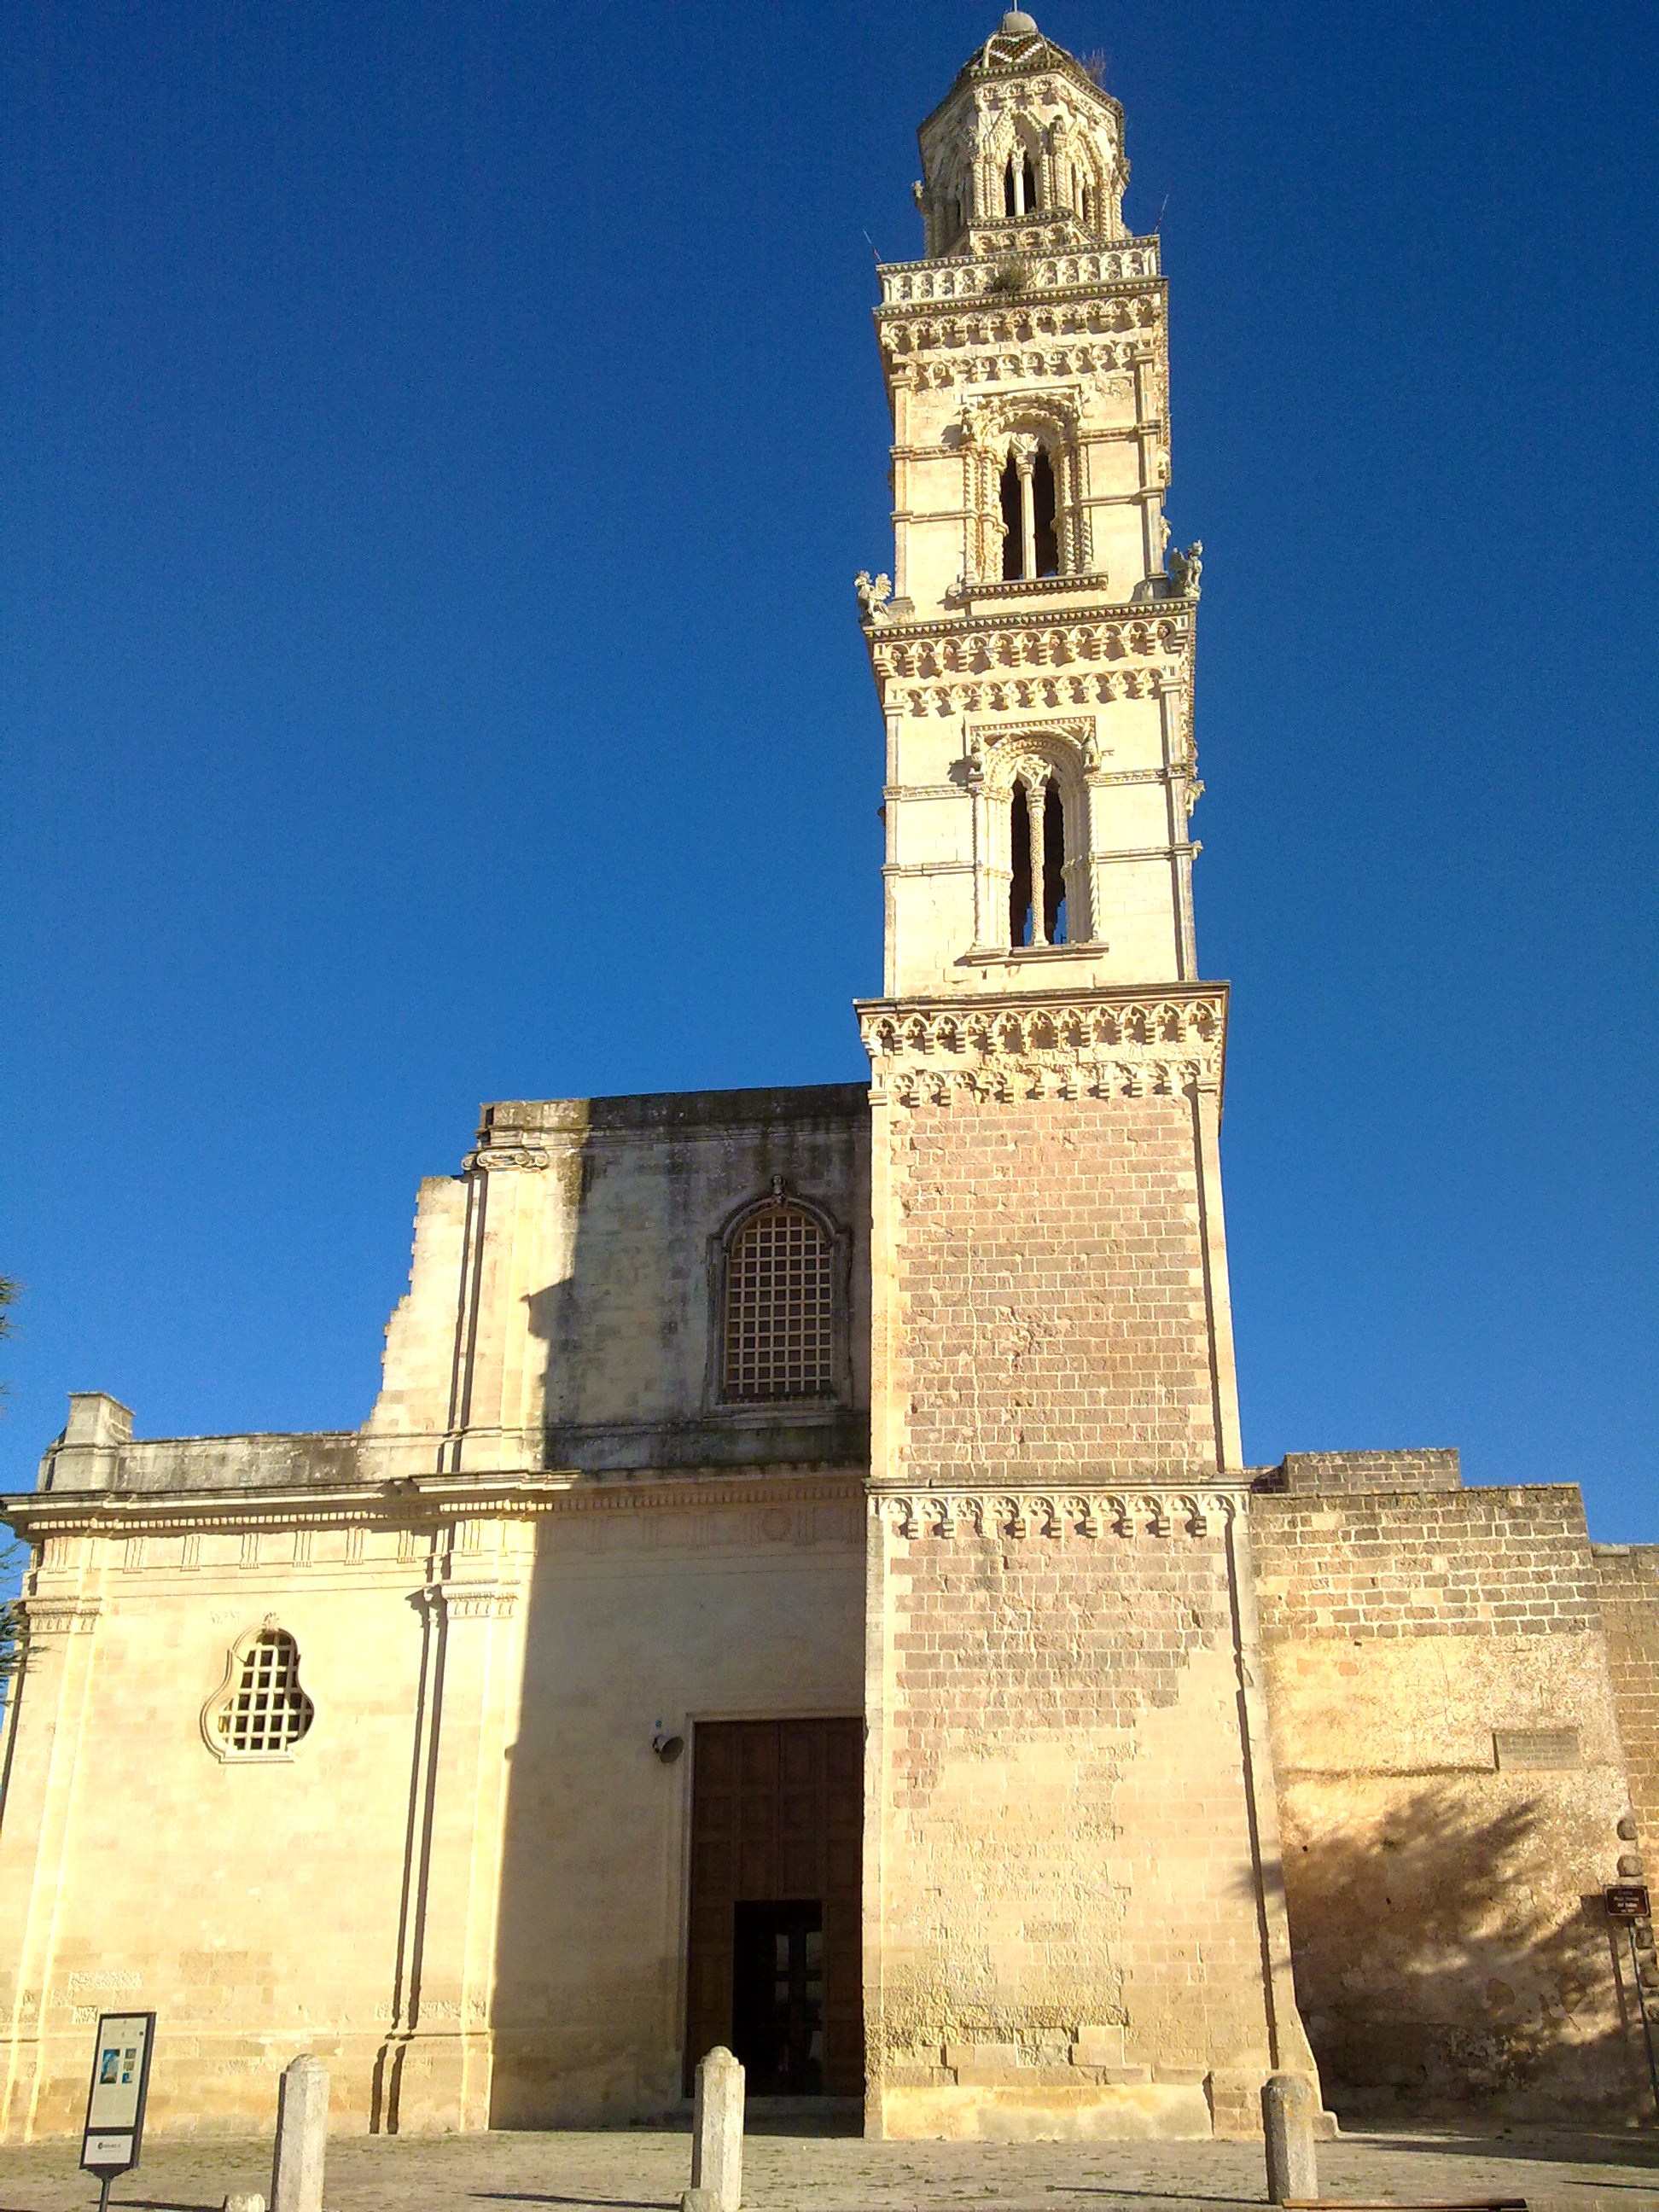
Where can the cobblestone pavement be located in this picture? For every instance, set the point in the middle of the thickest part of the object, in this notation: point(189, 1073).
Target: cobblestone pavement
point(644, 2171)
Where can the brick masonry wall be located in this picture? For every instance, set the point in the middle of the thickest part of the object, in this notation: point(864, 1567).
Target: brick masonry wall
point(1069, 1901)
point(1050, 1298)
point(1441, 1563)
point(1450, 1777)
point(1628, 1576)
point(1366, 1470)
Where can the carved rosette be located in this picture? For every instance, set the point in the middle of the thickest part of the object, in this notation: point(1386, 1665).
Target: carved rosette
point(1054, 1516)
point(1151, 1047)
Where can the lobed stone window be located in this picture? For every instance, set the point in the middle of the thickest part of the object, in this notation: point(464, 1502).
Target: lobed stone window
point(779, 1318)
point(261, 1711)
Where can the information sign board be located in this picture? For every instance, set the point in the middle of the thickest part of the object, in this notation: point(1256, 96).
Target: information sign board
point(115, 2102)
point(1626, 1900)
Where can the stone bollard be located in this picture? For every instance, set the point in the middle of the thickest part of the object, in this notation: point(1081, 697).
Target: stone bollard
point(244, 2201)
point(296, 2172)
point(1288, 2113)
point(716, 2136)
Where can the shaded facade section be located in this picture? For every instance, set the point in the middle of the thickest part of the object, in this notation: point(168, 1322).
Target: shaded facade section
point(567, 1300)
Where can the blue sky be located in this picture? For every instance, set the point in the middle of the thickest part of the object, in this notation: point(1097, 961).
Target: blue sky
point(442, 439)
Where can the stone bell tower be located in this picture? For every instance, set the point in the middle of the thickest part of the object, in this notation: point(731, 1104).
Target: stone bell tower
point(1074, 1917)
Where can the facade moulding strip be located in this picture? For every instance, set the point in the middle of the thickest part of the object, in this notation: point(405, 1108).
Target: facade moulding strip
point(37, 1515)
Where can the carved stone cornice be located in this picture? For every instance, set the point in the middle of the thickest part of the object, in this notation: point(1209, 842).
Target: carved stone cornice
point(983, 646)
point(973, 665)
point(1013, 362)
point(1060, 1513)
point(495, 1157)
point(424, 1502)
point(473, 1601)
point(996, 1049)
point(62, 1616)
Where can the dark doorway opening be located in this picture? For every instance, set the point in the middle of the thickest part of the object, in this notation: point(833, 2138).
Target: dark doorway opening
point(775, 1967)
point(777, 1997)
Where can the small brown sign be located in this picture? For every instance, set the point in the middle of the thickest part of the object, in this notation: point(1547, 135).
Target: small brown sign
point(1626, 1900)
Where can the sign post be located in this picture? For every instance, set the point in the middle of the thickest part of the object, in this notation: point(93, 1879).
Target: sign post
point(115, 2103)
point(1628, 1901)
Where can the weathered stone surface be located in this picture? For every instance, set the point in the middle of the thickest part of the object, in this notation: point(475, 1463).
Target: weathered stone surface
point(1289, 2108)
point(1436, 1886)
point(296, 2172)
point(717, 2131)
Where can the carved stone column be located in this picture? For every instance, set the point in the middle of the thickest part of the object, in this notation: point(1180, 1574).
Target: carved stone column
point(1026, 463)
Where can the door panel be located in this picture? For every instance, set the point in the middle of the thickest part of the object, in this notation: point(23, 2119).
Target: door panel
point(777, 1820)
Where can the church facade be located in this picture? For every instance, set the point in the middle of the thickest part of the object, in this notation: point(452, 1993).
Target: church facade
point(800, 1586)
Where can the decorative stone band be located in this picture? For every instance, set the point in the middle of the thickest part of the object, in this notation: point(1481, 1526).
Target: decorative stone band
point(1095, 357)
point(904, 283)
point(974, 649)
point(473, 1601)
point(1130, 313)
point(995, 1050)
point(1058, 1514)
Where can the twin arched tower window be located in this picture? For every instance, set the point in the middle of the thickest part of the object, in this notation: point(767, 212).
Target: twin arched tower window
point(1036, 885)
point(1019, 186)
point(1030, 516)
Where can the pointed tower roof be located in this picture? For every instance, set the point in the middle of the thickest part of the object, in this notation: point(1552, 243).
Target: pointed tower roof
point(1017, 48)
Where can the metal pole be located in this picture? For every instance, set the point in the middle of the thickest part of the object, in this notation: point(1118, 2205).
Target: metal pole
point(104, 2181)
point(1642, 2007)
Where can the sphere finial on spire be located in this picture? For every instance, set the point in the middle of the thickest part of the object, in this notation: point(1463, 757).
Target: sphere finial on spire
point(1018, 19)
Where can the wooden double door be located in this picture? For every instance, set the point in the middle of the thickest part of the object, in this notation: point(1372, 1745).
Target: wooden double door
point(775, 1972)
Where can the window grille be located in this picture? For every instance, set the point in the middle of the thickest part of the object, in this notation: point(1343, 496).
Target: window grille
point(780, 1307)
point(269, 1710)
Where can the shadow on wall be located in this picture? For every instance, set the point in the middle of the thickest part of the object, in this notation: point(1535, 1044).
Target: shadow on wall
point(1437, 1965)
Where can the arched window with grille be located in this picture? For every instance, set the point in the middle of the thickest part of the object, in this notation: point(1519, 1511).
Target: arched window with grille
point(778, 1306)
point(261, 1711)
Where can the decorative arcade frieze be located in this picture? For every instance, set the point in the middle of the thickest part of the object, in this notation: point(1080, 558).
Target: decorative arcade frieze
point(996, 1051)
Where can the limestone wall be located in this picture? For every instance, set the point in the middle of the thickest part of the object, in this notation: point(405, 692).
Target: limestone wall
point(464, 1888)
point(705, 1609)
point(1627, 1577)
point(1450, 1779)
point(1068, 1824)
point(1081, 1931)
